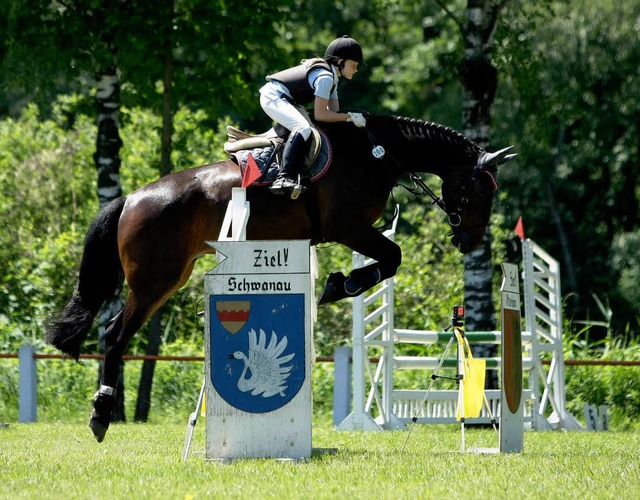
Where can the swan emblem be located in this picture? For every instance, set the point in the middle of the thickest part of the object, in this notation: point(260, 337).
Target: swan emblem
point(265, 364)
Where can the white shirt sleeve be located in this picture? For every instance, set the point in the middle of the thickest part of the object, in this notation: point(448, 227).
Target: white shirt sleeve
point(321, 81)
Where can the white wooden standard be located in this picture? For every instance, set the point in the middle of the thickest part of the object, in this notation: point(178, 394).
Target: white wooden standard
point(512, 402)
point(258, 351)
point(382, 342)
point(234, 225)
point(543, 315)
point(375, 337)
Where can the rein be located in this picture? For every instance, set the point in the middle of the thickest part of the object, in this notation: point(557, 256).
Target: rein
point(421, 188)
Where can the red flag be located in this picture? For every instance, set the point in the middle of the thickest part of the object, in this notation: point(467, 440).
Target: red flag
point(251, 173)
point(519, 229)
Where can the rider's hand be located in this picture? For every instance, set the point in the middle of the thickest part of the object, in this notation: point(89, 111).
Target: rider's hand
point(357, 119)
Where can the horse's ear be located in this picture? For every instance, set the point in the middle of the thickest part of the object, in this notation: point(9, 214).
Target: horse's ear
point(493, 160)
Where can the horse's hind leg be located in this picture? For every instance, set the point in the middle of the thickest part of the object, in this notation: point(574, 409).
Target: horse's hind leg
point(105, 397)
point(123, 327)
point(149, 288)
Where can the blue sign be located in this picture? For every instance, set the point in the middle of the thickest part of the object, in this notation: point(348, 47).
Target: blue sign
point(257, 349)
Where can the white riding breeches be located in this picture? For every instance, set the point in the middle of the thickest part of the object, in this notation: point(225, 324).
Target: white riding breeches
point(283, 112)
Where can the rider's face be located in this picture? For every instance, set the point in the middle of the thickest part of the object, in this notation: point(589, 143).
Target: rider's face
point(350, 68)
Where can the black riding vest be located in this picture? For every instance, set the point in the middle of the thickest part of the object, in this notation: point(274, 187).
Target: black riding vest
point(296, 79)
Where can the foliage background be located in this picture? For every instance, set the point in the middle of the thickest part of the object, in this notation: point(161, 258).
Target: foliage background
point(567, 98)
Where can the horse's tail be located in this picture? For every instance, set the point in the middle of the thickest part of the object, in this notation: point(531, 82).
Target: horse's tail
point(100, 275)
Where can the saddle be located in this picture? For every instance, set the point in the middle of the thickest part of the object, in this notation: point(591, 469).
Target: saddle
point(266, 150)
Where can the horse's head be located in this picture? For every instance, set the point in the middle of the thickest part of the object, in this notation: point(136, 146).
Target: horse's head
point(468, 196)
point(467, 188)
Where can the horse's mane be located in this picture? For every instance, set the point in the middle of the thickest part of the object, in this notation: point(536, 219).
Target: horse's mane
point(414, 129)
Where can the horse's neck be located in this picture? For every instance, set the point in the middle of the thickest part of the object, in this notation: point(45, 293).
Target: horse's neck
point(426, 147)
point(426, 159)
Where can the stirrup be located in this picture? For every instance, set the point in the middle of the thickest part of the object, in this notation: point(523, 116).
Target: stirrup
point(298, 189)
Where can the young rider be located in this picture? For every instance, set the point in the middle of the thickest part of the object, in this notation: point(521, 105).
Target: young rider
point(314, 80)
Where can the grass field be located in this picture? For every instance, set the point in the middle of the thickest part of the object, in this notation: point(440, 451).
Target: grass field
point(143, 461)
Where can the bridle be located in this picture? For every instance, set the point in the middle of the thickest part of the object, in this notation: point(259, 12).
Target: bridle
point(419, 187)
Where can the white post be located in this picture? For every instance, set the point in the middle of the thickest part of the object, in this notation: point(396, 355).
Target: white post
point(234, 225)
point(359, 353)
point(543, 313)
point(341, 384)
point(388, 353)
point(241, 214)
point(388, 419)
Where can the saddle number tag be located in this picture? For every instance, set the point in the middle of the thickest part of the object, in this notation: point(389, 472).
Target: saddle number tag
point(378, 152)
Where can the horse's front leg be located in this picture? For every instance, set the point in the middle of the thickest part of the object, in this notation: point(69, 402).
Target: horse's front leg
point(374, 245)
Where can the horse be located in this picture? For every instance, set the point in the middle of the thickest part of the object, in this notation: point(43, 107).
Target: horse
point(153, 236)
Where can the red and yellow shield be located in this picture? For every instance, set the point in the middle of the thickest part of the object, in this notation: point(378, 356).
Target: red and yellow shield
point(233, 314)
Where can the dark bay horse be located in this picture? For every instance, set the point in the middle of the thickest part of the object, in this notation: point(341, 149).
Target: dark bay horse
point(153, 236)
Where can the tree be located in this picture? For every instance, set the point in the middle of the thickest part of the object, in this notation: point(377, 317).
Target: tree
point(190, 69)
point(479, 78)
point(107, 162)
point(50, 54)
point(165, 27)
point(575, 121)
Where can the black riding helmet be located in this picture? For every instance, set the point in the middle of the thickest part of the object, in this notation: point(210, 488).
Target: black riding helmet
point(343, 48)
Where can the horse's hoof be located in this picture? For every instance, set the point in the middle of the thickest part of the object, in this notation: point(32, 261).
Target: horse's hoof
point(334, 289)
point(98, 428)
point(101, 414)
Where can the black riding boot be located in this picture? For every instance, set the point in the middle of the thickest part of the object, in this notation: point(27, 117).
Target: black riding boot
point(292, 159)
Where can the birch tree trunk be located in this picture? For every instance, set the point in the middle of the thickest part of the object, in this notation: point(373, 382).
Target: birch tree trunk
point(479, 79)
point(107, 162)
point(143, 403)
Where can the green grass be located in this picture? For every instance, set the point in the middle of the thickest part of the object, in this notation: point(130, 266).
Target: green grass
point(59, 460)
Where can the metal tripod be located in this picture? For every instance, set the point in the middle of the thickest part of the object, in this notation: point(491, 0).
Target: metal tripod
point(457, 333)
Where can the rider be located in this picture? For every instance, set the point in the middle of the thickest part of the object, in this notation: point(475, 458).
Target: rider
point(312, 80)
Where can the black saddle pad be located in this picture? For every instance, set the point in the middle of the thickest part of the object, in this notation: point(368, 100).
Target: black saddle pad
point(267, 162)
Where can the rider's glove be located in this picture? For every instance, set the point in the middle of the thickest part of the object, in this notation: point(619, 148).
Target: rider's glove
point(357, 119)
